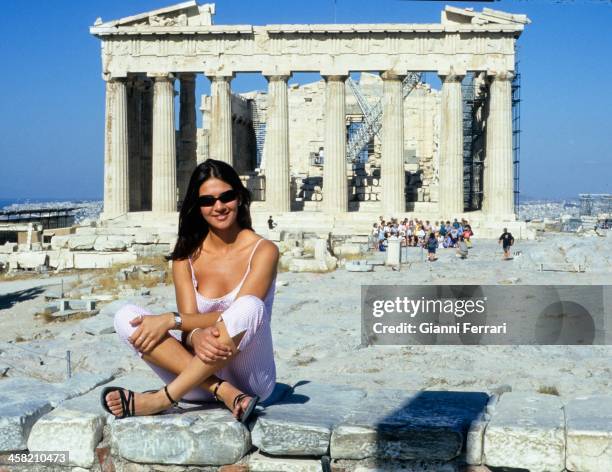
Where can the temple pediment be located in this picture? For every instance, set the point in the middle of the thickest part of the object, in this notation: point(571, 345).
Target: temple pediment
point(181, 14)
point(462, 16)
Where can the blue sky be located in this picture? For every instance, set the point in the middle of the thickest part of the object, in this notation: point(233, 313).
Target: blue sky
point(52, 94)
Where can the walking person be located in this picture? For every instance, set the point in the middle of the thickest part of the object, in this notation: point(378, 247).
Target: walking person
point(507, 241)
point(432, 245)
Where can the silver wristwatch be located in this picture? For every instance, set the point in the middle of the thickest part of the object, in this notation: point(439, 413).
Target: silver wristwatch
point(178, 322)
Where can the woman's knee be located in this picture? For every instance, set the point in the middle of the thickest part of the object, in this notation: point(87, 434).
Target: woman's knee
point(124, 315)
point(250, 307)
point(245, 315)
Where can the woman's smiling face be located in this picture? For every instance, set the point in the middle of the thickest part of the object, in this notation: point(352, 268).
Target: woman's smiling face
point(220, 215)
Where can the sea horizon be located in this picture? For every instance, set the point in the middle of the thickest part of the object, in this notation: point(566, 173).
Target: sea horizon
point(6, 202)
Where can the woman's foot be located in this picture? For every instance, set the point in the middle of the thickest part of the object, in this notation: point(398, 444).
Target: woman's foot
point(144, 403)
point(227, 393)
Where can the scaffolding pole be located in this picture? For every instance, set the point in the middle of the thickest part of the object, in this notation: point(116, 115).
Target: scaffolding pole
point(516, 132)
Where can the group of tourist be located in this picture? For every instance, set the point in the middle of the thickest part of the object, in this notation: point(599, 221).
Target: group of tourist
point(424, 234)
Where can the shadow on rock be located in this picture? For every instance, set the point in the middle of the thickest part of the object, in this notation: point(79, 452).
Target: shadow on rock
point(9, 300)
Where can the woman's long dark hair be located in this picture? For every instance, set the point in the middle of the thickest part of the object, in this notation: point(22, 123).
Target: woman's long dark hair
point(193, 228)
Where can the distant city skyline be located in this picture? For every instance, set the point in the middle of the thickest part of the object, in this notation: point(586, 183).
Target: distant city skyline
point(51, 141)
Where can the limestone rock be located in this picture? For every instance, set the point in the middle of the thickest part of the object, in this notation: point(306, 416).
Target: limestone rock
point(31, 260)
point(102, 260)
point(142, 236)
point(395, 424)
point(348, 249)
point(526, 431)
point(589, 433)
point(24, 400)
point(474, 440)
point(260, 463)
point(302, 422)
point(167, 237)
point(358, 266)
point(81, 242)
point(61, 259)
point(203, 437)
point(8, 248)
point(111, 243)
point(68, 430)
point(17, 418)
point(60, 242)
point(99, 324)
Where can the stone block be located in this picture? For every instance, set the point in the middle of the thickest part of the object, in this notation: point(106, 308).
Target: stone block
point(347, 249)
point(17, 417)
point(146, 250)
point(60, 242)
point(31, 260)
point(474, 440)
point(81, 242)
point(97, 325)
point(527, 430)
point(303, 264)
point(24, 400)
point(8, 248)
point(61, 259)
point(86, 230)
point(260, 463)
point(400, 425)
point(358, 266)
point(202, 437)
point(274, 235)
point(142, 236)
point(301, 423)
point(102, 260)
point(167, 237)
point(68, 430)
point(111, 243)
point(589, 433)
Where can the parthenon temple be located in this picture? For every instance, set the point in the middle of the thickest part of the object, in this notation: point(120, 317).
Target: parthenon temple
point(386, 143)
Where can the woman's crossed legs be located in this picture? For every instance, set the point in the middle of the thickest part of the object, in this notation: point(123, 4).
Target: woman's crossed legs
point(187, 375)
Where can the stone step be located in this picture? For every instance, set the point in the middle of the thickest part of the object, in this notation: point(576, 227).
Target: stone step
point(301, 423)
point(526, 431)
point(395, 424)
point(589, 433)
point(376, 430)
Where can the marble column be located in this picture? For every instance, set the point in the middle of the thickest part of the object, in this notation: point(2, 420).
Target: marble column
point(335, 188)
point(164, 146)
point(134, 93)
point(276, 146)
point(116, 183)
point(221, 122)
point(499, 177)
point(451, 147)
point(187, 133)
point(392, 174)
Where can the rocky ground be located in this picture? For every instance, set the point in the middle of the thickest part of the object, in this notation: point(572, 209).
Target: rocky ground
point(317, 331)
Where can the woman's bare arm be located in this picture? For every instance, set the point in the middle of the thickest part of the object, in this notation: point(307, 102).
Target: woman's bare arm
point(263, 271)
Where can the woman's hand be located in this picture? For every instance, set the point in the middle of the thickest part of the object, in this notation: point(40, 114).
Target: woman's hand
point(207, 345)
point(151, 330)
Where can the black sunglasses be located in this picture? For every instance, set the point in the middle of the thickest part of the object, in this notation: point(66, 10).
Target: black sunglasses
point(225, 197)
